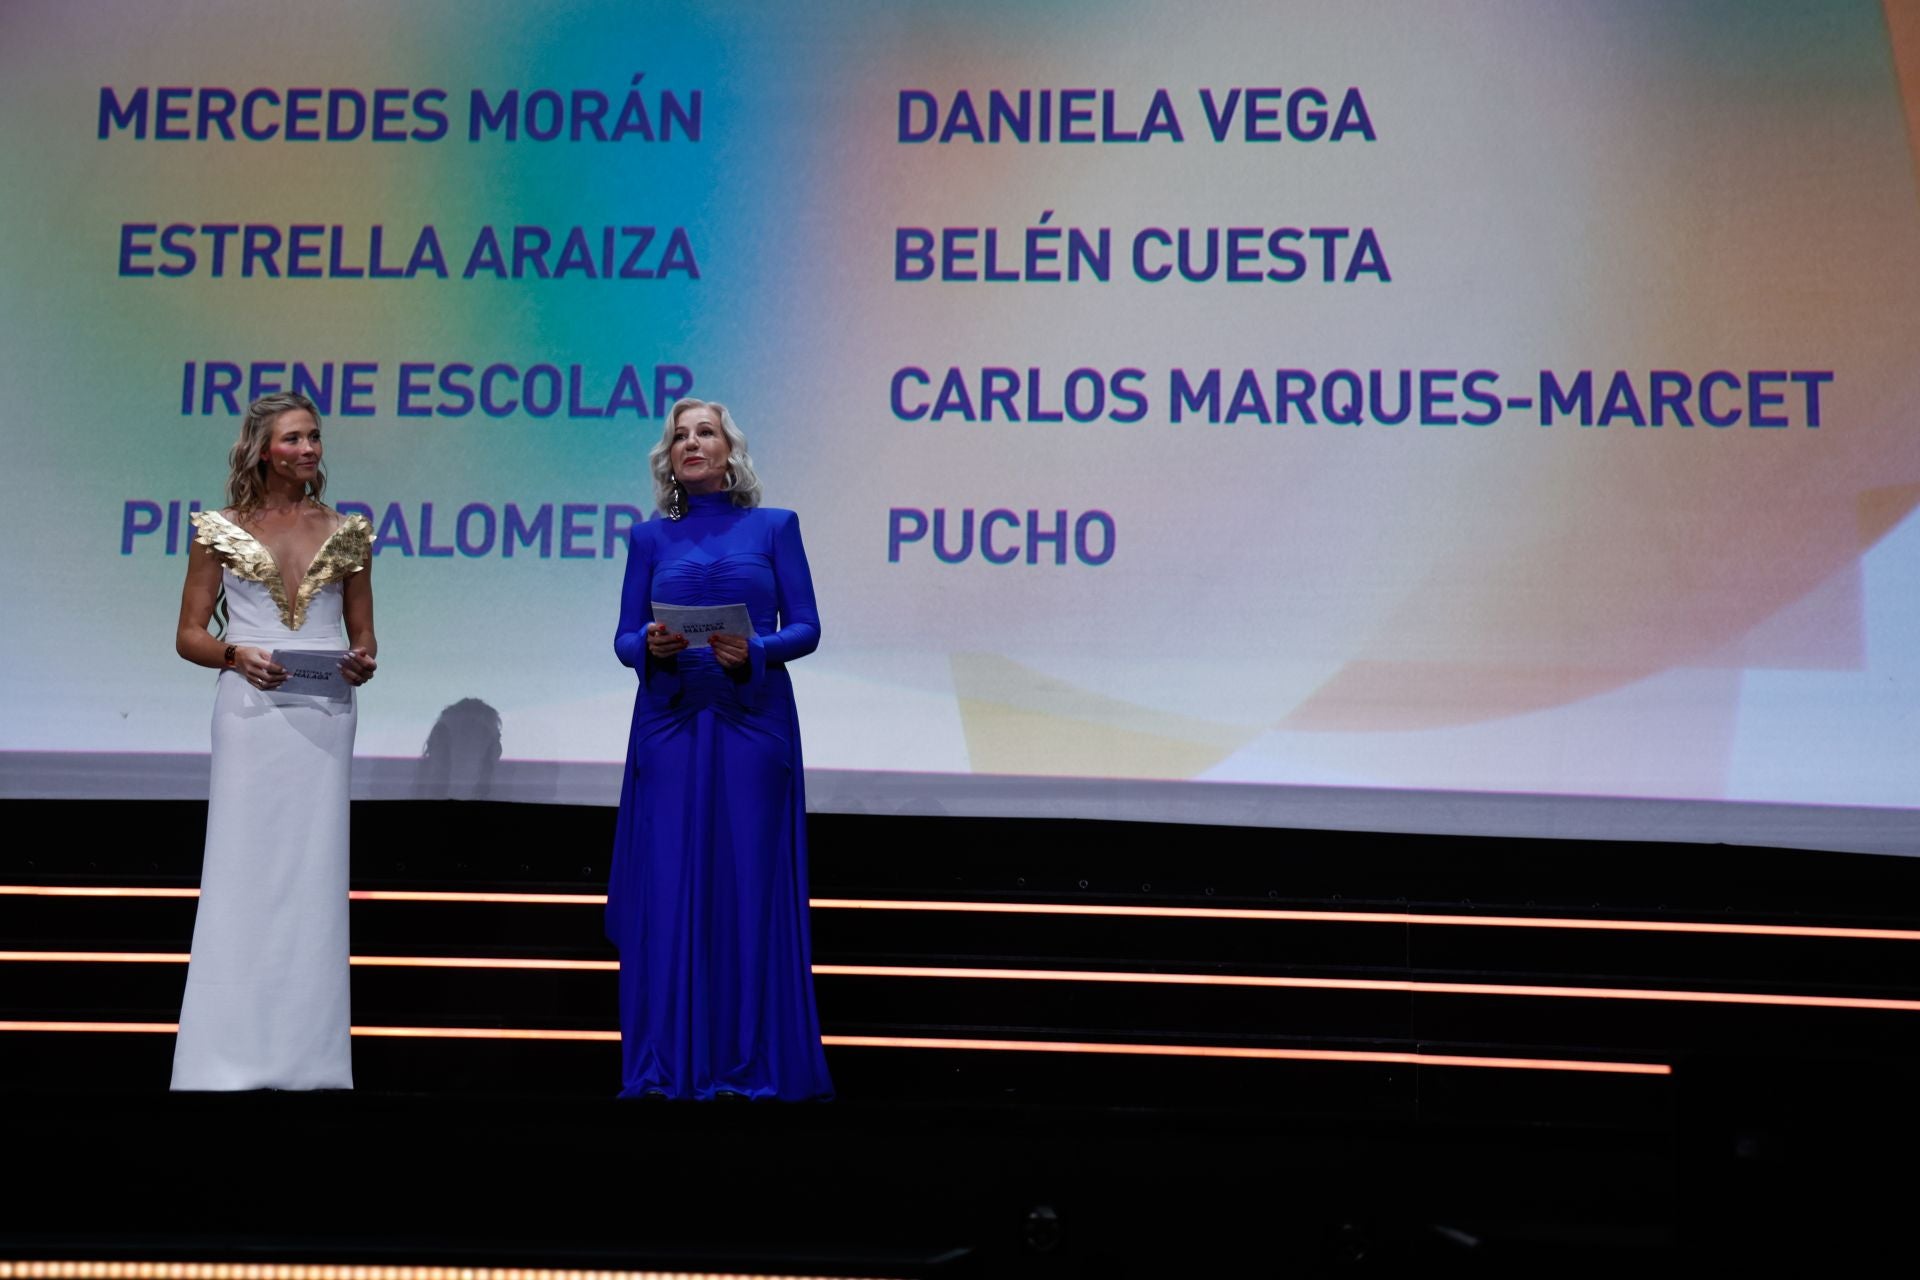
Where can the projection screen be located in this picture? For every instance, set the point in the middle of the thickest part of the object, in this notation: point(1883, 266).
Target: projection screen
point(1483, 416)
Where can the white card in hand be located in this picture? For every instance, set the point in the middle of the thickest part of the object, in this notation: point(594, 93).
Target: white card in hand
point(314, 672)
point(700, 623)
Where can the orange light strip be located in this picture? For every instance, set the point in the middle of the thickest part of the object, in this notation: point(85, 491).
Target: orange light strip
point(404, 1033)
point(90, 891)
point(1367, 917)
point(481, 1033)
point(357, 895)
point(484, 962)
point(142, 1028)
point(88, 1269)
point(377, 962)
point(386, 962)
point(1232, 1051)
point(98, 957)
point(1402, 986)
point(437, 895)
point(1084, 909)
point(1005, 1046)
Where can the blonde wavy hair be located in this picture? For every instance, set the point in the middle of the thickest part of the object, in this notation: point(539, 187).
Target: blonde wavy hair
point(246, 464)
point(743, 483)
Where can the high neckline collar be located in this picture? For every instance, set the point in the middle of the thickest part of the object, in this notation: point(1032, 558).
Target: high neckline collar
point(709, 504)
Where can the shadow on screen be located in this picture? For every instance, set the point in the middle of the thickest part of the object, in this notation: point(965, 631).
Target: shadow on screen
point(462, 752)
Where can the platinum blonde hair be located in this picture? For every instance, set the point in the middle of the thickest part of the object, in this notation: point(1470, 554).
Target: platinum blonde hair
point(743, 483)
point(246, 462)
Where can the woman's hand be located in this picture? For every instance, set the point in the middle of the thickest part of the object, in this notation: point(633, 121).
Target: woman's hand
point(662, 643)
point(730, 651)
point(357, 667)
point(258, 667)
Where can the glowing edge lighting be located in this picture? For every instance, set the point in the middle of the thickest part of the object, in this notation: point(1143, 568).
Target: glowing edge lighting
point(1232, 1051)
point(1075, 909)
point(89, 1269)
point(1402, 986)
point(1003, 1046)
point(1367, 917)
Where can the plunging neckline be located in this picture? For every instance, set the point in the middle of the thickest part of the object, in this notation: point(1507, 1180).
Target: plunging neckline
point(340, 555)
point(290, 590)
point(288, 587)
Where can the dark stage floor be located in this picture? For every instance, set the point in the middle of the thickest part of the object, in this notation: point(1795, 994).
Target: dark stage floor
point(1061, 1049)
point(847, 1188)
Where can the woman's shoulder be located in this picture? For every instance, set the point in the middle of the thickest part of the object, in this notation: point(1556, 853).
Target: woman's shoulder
point(222, 534)
point(645, 534)
point(354, 531)
point(778, 525)
point(347, 548)
point(777, 516)
point(347, 528)
point(220, 530)
point(346, 551)
point(352, 522)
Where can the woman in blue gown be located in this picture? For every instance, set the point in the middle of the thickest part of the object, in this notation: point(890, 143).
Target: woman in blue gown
point(708, 895)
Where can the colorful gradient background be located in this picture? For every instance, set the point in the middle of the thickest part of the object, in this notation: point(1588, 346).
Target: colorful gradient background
point(1705, 614)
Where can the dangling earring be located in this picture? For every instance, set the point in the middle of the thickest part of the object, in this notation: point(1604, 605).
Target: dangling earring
point(674, 512)
point(728, 487)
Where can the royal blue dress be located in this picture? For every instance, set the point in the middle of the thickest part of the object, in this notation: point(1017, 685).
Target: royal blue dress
point(708, 895)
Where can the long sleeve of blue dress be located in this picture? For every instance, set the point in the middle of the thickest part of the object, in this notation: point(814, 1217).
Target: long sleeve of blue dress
point(636, 600)
point(799, 633)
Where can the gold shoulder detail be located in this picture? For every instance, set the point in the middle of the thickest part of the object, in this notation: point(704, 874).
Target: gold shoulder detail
point(246, 558)
point(240, 550)
point(342, 555)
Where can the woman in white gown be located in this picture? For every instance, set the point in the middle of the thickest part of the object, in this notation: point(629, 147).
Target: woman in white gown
point(267, 985)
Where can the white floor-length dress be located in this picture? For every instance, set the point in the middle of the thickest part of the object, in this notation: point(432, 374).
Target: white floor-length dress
point(267, 1004)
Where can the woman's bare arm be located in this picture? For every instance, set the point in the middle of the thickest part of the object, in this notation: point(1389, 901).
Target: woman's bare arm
point(193, 642)
point(357, 608)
